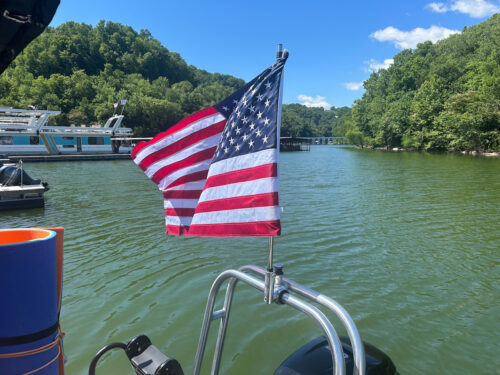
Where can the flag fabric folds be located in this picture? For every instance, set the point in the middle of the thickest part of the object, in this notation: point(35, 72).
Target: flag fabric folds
point(218, 168)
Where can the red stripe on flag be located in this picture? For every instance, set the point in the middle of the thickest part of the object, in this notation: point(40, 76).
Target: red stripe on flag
point(257, 200)
point(182, 194)
point(257, 228)
point(192, 177)
point(179, 212)
point(242, 175)
point(182, 144)
point(180, 125)
point(190, 160)
point(177, 230)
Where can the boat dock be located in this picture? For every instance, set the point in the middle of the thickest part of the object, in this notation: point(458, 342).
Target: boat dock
point(294, 144)
point(66, 157)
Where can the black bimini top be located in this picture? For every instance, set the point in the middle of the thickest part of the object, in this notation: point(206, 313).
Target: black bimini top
point(20, 23)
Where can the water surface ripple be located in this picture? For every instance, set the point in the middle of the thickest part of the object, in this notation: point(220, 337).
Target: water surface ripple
point(407, 242)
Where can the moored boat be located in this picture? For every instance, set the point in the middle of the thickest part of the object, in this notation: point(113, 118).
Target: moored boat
point(18, 190)
point(27, 132)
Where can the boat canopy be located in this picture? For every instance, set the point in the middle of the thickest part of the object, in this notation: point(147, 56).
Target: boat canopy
point(20, 23)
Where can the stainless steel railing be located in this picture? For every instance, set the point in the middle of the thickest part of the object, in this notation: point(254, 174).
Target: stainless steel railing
point(281, 295)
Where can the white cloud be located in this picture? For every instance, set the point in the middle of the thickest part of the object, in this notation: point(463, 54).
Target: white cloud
point(318, 101)
point(353, 86)
point(474, 8)
point(374, 65)
point(437, 7)
point(410, 39)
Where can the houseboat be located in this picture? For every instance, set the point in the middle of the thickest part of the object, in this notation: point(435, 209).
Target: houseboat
point(28, 132)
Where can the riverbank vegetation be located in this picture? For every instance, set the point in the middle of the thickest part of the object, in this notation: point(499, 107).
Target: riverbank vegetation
point(301, 121)
point(442, 96)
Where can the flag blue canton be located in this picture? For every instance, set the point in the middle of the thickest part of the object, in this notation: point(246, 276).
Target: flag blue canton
point(253, 112)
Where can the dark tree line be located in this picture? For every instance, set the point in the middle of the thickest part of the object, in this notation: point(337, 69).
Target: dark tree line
point(300, 121)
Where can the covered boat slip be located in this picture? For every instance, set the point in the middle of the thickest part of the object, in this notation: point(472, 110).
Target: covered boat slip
point(26, 132)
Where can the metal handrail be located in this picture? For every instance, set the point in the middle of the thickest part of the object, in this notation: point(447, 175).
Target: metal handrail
point(335, 307)
point(280, 294)
point(332, 337)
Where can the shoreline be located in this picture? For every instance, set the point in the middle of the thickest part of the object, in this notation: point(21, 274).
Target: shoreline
point(467, 152)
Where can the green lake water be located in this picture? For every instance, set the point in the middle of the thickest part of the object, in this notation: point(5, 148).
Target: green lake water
point(408, 243)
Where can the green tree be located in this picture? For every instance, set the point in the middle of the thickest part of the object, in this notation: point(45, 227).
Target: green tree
point(438, 96)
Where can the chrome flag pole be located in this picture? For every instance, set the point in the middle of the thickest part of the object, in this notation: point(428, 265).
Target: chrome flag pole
point(269, 276)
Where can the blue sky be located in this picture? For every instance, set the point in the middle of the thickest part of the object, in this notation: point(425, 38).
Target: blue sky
point(333, 44)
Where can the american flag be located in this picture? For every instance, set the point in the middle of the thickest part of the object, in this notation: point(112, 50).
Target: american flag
point(218, 168)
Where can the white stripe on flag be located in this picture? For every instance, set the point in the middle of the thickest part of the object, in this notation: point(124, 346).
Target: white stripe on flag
point(182, 154)
point(260, 186)
point(178, 220)
point(201, 166)
point(182, 133)
point(244, 161)
point(237, 216)
point(180, 203)
point(196, 185)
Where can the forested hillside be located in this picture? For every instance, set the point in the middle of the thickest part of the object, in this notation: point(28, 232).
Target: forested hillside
point(437, 96)
point(301, 121)
point(82, 70)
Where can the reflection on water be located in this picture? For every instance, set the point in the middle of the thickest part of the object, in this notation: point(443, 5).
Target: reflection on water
point(407, 242)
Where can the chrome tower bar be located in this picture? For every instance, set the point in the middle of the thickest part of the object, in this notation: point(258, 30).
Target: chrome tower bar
point(281, 295)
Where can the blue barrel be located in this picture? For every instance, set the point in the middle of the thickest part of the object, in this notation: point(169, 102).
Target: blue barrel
point(28, 302)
